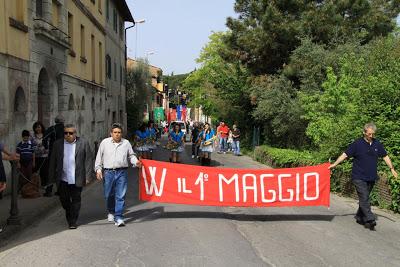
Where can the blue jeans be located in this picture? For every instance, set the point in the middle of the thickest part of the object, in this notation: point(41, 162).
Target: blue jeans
point(236, 147)
point(223, 145)
point(115, 186)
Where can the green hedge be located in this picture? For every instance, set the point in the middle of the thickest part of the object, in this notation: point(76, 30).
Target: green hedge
point(285, 158)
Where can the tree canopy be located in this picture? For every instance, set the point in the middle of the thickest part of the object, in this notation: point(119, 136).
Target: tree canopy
point(267, 31)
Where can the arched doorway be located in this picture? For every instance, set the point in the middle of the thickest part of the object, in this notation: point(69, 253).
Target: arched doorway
point(44, 98)
point(19, 110)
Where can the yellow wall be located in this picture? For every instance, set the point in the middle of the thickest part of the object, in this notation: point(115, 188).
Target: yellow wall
point(3, 40)
point(13, 41)
point(74, 65)
point(94, 9)
point(155, 72)
point(55, 14)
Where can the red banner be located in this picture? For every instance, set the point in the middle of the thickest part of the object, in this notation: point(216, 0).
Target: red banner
point(197, 185)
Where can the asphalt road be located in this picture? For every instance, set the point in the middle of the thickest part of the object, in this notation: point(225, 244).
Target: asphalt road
point(178, 235)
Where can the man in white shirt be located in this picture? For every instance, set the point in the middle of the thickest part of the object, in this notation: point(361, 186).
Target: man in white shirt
point(111, 166)
point(71, 165)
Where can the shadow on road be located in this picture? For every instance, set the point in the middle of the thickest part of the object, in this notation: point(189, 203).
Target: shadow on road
point(377, 216)
point(158, 213)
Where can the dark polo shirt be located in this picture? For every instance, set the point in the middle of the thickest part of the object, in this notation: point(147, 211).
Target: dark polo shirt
point(365, 159)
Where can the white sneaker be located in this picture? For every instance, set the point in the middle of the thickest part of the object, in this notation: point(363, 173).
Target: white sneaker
point(110, 217)
point(192, 156)
point(120, 223)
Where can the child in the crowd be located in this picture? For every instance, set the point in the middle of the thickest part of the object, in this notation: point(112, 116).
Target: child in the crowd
point(26, 152)
point(230, 141)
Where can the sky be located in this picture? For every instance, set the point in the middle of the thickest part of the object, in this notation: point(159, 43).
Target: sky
point(174, 31)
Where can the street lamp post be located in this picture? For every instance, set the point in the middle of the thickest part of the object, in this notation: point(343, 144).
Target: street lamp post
point(148, 54)
point(136, 39)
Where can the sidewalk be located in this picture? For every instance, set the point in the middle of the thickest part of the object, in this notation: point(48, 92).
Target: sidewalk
point(29, 211)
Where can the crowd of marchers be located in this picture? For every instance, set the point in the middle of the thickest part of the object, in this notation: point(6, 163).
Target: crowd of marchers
point(58, 156)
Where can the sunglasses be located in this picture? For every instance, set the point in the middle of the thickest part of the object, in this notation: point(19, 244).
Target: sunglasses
point(69, 133)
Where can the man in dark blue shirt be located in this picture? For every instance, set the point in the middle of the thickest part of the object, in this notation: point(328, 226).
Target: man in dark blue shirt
point(365, 152)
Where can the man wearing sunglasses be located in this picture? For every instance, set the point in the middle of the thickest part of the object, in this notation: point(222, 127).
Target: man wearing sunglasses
point(71, 165)
point(111, 166)
point(365, 152)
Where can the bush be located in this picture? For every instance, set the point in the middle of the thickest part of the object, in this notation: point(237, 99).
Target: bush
point(285, 158)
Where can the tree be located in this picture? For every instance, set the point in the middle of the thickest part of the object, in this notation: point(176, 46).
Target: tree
point(365, 88)
point(279, 112)
point(267, 31)
point(138, 80)
point(220, 87)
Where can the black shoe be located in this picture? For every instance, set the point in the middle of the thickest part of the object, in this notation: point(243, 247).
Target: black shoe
point(359, 220)
point(73, 226)
point(370, 225)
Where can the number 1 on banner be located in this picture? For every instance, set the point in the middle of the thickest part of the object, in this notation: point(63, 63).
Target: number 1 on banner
point(202, 177)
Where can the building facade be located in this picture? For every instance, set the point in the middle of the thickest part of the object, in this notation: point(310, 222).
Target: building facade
point(117, 13)
point(53, 56)
point(15, 107)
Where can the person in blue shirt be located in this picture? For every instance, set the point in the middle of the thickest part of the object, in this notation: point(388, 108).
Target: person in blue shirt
point(26, 152)
point(176, 137)
point(141, 136)
point(152, 137)
point(207, 144)
point(365, 152)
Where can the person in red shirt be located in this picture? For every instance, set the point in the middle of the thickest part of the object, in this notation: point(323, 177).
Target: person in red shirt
point(223, 133)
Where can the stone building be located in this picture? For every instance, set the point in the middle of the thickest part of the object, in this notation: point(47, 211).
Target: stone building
point(117, 12)
point(15, 76)
point(53, 57)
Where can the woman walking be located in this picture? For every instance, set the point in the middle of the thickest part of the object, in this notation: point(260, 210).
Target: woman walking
point(176, 142)
point(141, 136)
point(151, 139)
point(42, 157)
point(207, 142)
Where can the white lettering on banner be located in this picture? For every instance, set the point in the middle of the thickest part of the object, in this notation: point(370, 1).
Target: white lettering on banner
point(290, 191)
point(221, 191)
point(316, 186)
point(179, 185)
point(200, 180)
point(263, 199)
point(184, 190)
point(297, 187)
point(246, 187)
point(153, 185)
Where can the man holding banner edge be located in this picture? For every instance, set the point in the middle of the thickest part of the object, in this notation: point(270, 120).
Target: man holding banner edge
point(365, 152)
